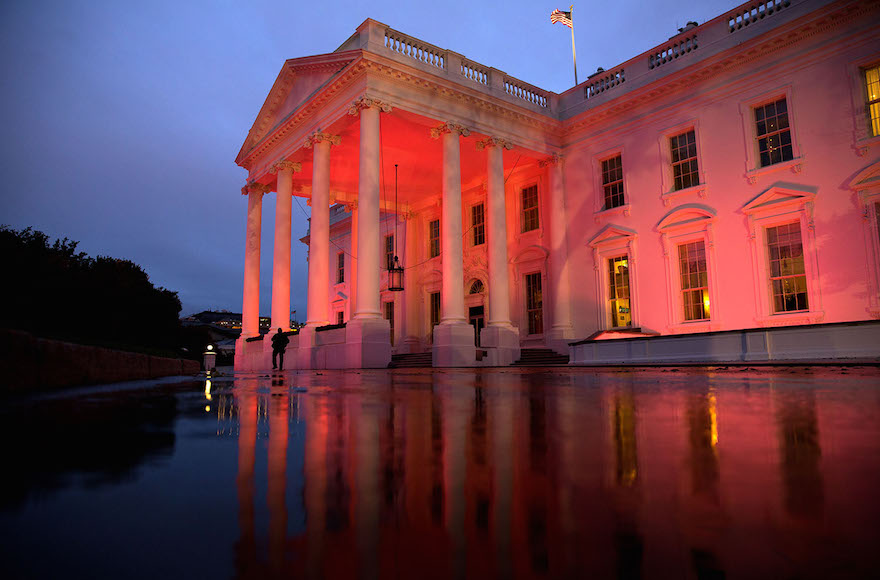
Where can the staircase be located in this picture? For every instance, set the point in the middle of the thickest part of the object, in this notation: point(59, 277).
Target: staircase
point(411, 360)
point(540, 357)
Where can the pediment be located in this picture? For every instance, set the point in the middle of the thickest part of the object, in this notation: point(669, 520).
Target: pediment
point(778, 196)
point(688, 215)
point(299, 79)
point(529, 254)
point(612, 233)
point(866, 178)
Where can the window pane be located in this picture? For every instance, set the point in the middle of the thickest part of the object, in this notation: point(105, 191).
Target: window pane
point(694, 281)
point(788, 281)
point(773, 133)
point(618, 292)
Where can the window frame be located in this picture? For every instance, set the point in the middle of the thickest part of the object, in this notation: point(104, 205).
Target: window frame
point(478, 227)
point(613, 241)
point(867, 186)
point(431, 239)
point(754, 170)
point(522, 209)
point(538, 275)
point(781, 277)
point(389, 255)
point(863, 140)
point(668, 193)
point(340, 267)
point(600, 212)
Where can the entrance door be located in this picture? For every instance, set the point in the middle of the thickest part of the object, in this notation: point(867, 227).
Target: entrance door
point(475, 315)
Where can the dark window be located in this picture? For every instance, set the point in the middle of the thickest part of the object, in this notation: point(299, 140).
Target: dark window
point(694, 280)
point(340, 267)
point(788, 280)
point(685, 172)
point(388, 311)
point(612, 182)
point(618, 291)
point(339, 317)
point(476, 287)
point(530, 208)
point(435, 309)
point(773, 133)
point(534, 303)
point(478, 222)
point(434, 238)
point(389, 251)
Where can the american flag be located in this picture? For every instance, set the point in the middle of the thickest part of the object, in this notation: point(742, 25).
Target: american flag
point(560, 16)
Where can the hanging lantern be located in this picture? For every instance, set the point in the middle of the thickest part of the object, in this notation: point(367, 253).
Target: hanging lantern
point(395, 276)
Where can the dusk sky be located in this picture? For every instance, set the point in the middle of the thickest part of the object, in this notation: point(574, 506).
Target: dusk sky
point(122, 120)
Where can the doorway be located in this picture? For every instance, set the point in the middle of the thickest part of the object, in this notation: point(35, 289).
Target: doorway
point(477, 320)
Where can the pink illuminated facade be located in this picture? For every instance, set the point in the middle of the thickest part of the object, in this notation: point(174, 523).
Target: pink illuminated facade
point(714, 199)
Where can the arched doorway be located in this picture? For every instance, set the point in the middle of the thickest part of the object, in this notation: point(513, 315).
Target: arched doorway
point(474, 301)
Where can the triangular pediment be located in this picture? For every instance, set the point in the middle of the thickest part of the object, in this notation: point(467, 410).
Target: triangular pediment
point(689, 215)
point(299, 79)
point(867, 178)
point(778, 196)
point(612, 233)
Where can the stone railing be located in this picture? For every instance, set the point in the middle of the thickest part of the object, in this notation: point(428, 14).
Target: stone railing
point(751, 13)
point(672, 51)
point(474, 71)
point(525, 91)
point(603, 81)
point(414, 48)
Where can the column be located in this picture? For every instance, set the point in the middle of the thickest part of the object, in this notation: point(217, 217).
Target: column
point(366, 334)
point(561, 332)
point(453, 337)
point(281, 259)
point(250, 307)
point(500, 337)
point(319, 234)
point(410, 327)
point(353, 269)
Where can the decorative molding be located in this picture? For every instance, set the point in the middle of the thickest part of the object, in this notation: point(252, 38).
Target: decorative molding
point(492, 142)
point(254, 186)
point(554, 159)
point(320, 137)
point(350, 206)
point(450, 127)
point(295, 166)
point(366, 102)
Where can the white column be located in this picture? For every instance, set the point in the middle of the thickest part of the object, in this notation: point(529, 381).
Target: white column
point(410, 320)
point(250, 306)
point(319, 235)
point(281, 258)
point(353, 266)
point(561, 331)
point(368, 243)
point(500, 336)
point(453, 344)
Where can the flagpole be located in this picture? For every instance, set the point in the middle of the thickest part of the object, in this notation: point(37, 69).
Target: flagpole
point(573, 54)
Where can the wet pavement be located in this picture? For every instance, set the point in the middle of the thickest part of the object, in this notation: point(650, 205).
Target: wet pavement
point(551, 473)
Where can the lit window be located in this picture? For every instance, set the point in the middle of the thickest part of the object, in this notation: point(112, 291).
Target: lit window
point(872, 86)
point(530, 208)
point(788, 278)
point(685, 170)
point(388, 311)
point(618, 291)
point(340, 267)
point(389, 251)
point(534, 303)
point(434, 238)
point(339, 317)
point(612, 182)
point(773, 133)
point(478, 223)
point(435, 309)
point(694, 280)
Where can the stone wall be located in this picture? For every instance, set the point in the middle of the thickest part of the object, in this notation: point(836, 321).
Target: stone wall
point(37, 364)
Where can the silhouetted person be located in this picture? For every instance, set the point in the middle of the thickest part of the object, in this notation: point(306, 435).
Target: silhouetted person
point(279, 343)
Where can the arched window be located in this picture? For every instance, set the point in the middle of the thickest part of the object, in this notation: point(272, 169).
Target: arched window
point(476, 287)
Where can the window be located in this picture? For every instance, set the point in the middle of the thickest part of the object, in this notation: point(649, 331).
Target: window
point(529, 208)
point(339, 317)
point(534, 303)
point(389, 252)
point(388, 312)
point(773, 133)
point(340, 267)
point(435, 309)
point(685, 170)
point(612, 182)
point(476, 287)
point(872, 88)
point(694, 280)
point(433, 238)
point(618, 291)
point(788, 278)
point(478, 223)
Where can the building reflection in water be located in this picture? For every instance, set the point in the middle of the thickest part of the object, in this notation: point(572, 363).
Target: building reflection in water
point(511, 475)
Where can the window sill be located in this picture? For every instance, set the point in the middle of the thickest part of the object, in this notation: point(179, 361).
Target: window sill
point(699, 190)
point(791, 319)
point(605, 213)
point(692, 327)
point(796, 165)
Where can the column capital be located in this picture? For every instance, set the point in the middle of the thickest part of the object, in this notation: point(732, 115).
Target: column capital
point(320, 137)
point(295, 166)
point(450, 127)
point(555, 159)
point(255, 187)
point(366, 102)
point(350, 206)
point(494, 142)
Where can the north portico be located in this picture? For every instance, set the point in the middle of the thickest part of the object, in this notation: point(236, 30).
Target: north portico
point(331, 131)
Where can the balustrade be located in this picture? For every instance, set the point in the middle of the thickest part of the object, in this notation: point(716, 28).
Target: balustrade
point(524, 91)
point(742, 17)
point(475, 72)
point(673, 51)
point(415, 49)
point(603, 83)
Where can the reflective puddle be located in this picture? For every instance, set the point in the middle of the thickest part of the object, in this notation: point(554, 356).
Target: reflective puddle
point(676, 473)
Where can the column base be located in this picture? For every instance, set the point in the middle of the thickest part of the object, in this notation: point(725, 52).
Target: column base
point(410, 345)
point(454, 345)
point(501, 344)
point(367, 344)
point(558, 338)
point(253, 355)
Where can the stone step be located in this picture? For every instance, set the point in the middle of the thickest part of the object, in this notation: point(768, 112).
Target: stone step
point(540, 357)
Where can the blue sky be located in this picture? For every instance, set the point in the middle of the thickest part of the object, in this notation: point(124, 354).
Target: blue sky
point(121, 121)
